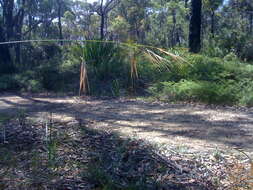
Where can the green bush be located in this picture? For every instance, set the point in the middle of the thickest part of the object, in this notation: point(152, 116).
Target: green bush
point(29, 81)
point(36, 54)
point(247, 51)
point(212, 49)
point(246, 93)
point(205, 68)
point(106, 63)
point(33, 86)
point(207, 79)
point(49, 76)
point(8, 82)
point(203, 91)
point(231, 57)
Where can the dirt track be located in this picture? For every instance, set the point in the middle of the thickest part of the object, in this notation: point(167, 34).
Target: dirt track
point(192, 127)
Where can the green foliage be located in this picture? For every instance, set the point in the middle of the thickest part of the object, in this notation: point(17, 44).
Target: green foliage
point(246, 93)
point(44, 70)
point(105, 59)
point(107, 66)
point(8, 82)
point(209, 80)
point(49, 75)
point(120, 26)
point(212, 4)
point(247, 51)
point(28, 81)
point(195, 91)
point(231, 57)
point(115, 88)
point(212, 49)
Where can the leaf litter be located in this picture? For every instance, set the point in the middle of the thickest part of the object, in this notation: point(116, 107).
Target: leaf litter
point(91, 159)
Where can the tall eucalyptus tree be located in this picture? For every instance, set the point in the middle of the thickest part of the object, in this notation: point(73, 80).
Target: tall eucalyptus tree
point(195, 26)
point(102, 8)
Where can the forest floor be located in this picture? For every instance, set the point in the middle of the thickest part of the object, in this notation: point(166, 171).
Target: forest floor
point(185, 129)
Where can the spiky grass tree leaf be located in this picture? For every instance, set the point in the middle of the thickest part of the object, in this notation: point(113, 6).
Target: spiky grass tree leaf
point(102, 56)
point(157, 59)
point(173, 56)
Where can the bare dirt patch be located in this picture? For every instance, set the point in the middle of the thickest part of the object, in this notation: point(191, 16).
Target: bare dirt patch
point(61, 142)
point(196, 127)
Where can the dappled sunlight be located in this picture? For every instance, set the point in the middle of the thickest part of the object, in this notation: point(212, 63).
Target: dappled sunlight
point(194, 126)
point(212, 115)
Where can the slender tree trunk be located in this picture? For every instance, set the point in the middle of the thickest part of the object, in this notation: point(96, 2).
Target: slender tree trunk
point(30, 26)
point(173, 36)
point(251, 23)
point(212, 23)
point(18, 50)
point(6, 65)
point(102, 23)
point(18, 32)
point(195, 26)
point(6, 34)
point(59, 20)
point(8, 7)
point(18, 37)
point(102, 26)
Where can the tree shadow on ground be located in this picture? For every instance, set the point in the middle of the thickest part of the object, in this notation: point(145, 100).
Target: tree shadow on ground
point(91, 159)
point(121, 163)
point(235, 128)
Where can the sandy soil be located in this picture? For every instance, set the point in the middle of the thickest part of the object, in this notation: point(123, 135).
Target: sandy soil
point(197, 128)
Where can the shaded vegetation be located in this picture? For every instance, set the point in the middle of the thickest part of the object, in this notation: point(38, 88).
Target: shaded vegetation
point(214, 80)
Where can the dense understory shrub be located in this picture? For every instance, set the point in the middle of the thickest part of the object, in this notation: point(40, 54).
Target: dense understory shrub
point(217, 80)
point(230, 57)
point(25, 82)
point(38, 70)
point(28, 81)
point(213, 49)
point(247, 51)
point(246, 93)
point(203, 91)
point(8, 82)
point(210, 80)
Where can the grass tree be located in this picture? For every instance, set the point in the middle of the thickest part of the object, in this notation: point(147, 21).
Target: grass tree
point(106, 59)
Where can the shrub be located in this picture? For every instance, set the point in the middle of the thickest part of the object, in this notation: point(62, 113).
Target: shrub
point(186, 90)
point(33, 86)
point(247, 51)
point(49, 76)
point(204, 68)
point(212, 49)
point(8, 82)
point(231, 57)
point(246, 93)
point(106, 63)
point(29, 81)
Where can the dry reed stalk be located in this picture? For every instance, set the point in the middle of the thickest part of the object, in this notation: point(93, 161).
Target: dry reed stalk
point(173, 56)
point(134, 71)
point(84, 86)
